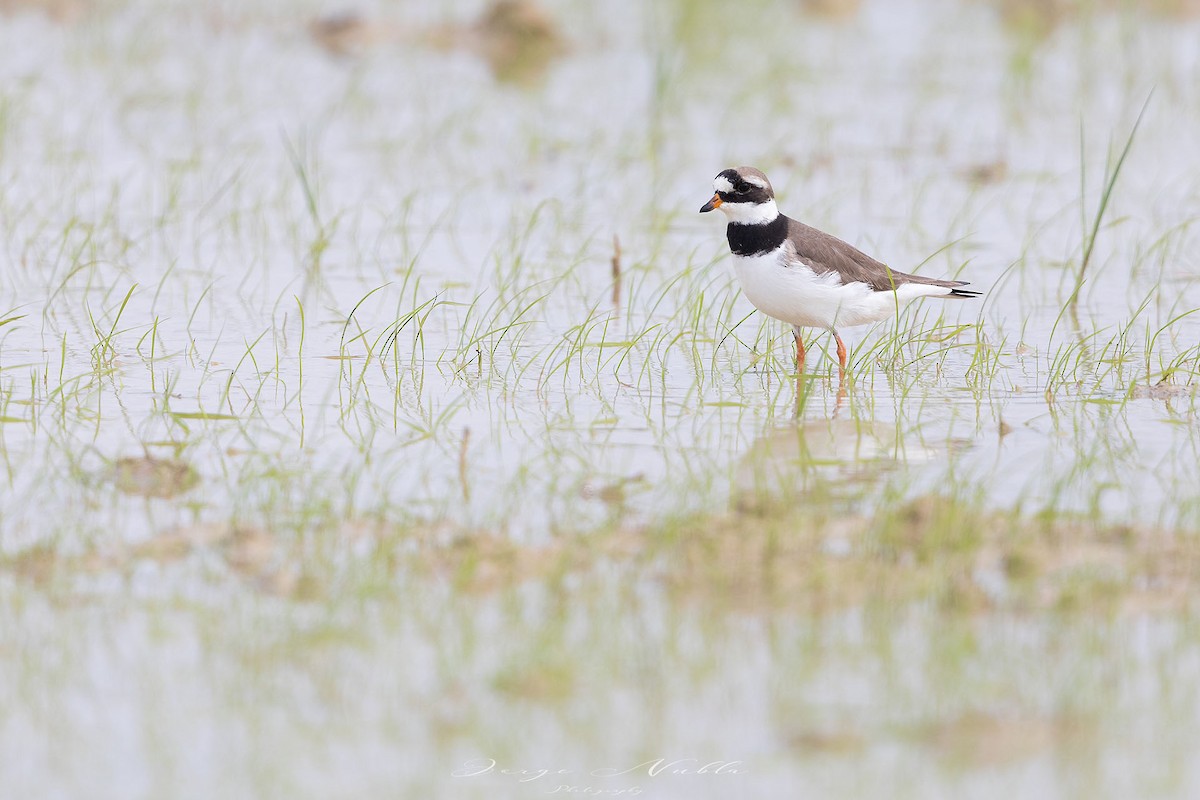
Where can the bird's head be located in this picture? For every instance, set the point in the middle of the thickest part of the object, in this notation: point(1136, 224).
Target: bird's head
point(745, 195)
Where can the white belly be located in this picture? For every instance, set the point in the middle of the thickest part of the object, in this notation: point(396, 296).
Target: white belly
point(798, 296)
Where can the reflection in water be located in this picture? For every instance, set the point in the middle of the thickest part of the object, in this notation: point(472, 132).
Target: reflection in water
point(832, 8)
point(348, 33)
point(806, 383)
point(153, 477)
point(62, 11)
point(833, 459)
point(518, 38)
point(1036, 19)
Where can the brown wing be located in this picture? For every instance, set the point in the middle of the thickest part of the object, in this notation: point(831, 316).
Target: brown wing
point(825, 253)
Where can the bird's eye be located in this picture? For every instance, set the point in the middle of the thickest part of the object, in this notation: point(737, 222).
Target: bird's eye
point(742, 188)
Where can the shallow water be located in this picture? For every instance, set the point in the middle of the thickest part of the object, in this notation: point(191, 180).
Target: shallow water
point(370, 302)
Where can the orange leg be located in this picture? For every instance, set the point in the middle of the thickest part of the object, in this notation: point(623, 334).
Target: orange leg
point(841, 351)
point(800, 354)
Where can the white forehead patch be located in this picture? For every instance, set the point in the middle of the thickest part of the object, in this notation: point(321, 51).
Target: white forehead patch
point(722, 184)
point(750, 213)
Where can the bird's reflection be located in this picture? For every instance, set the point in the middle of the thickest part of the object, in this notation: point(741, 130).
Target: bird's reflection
point(827, 459)
point(805, 392)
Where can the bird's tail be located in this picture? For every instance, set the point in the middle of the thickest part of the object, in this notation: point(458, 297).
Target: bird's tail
point(963, 294)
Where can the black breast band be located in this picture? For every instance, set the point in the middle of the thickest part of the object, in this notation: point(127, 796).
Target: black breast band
point(749, 240)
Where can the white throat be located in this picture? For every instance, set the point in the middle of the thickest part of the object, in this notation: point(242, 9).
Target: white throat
point(750, 213)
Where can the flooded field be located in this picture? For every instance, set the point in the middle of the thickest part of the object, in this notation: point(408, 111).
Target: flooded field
point(378, 418)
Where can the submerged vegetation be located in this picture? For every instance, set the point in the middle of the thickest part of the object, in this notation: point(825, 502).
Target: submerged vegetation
point(369, 385)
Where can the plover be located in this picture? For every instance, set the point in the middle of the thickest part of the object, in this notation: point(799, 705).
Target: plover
point(803, 276)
